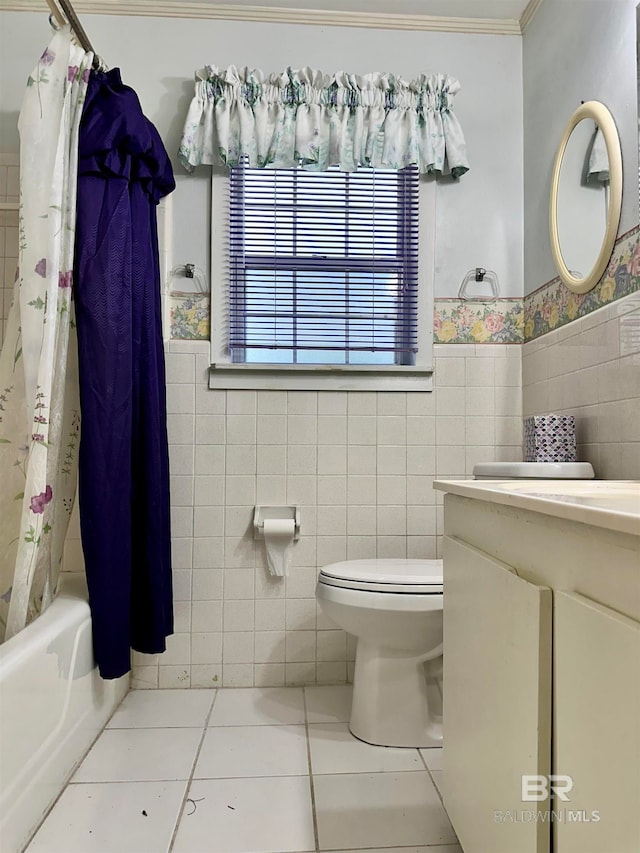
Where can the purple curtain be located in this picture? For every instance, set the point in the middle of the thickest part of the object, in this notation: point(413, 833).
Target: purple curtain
point(124, 171)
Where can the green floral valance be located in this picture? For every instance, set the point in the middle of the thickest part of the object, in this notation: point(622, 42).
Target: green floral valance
point(309, 119)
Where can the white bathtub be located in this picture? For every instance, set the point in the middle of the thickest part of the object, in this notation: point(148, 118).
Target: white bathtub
point(53, 704)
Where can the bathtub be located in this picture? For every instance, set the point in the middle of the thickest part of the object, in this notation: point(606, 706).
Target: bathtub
point(53, 704)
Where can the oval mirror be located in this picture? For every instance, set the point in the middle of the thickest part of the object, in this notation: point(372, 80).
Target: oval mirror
point(586, 197)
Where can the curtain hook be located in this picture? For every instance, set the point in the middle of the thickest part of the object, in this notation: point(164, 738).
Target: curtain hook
point(54, 24)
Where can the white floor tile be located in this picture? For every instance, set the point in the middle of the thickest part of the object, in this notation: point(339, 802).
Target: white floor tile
point(335, 750)
point(247, 816)
point(385, 809)
point(436, 775)
point(331, 704)
point(234, 751)
point(133, 817)
point(148, 709)
point(432, 757)
point(139, 755)
point(258, 706)
point(365, 795)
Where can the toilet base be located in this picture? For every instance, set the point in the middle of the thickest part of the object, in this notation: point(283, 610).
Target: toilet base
point(397, 700)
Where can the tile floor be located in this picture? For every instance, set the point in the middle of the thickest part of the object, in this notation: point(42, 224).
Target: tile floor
point(256, 770)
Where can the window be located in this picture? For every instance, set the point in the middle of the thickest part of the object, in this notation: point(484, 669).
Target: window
point(323, 277)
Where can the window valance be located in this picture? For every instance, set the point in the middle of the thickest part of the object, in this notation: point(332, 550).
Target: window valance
point(310, 119)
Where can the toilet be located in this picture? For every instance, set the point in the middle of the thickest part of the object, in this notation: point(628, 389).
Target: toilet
point(394, 609)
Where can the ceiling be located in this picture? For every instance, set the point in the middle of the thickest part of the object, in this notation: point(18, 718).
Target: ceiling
point(509, 17)
point(501, 9)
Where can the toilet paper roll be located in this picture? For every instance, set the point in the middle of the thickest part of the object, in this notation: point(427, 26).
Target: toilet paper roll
point(278, 540)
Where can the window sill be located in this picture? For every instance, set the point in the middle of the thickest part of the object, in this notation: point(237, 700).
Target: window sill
point(275, 377)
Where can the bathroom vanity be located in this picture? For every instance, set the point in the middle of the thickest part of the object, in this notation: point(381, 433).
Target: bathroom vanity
point(542, 665)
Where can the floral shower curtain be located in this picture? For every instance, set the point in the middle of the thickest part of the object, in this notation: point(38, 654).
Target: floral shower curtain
point(39, 411)
point(309, 119)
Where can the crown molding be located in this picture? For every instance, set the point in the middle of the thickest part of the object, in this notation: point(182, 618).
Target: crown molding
point(529, 12)
point(261, 14)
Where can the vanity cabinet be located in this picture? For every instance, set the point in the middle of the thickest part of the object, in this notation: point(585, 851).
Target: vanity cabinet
point(497, 712)
point(597, 725)
point(541, 676)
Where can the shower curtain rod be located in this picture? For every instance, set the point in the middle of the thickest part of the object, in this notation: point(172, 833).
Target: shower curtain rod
point(72, 19)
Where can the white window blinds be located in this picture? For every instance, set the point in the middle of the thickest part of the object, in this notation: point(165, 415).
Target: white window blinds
point(323, 266)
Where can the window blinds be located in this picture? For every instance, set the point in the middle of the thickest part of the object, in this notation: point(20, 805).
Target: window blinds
point(323, 266)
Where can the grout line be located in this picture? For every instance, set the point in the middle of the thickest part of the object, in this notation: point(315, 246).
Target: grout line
point(441, 798)
point(153, 728)
point(428, 769)
point(422, 758)
point(190, 779)
point(311, 784)
point(272, 776)
point(127, 781)
point(437, 790)
point(452, 844)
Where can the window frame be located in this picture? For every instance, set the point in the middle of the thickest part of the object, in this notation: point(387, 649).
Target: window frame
point(224, 374)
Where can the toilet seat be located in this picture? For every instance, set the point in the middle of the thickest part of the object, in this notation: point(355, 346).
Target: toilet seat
point(414, 577)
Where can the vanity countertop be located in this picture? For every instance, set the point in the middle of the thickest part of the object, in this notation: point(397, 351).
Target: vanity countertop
point(612, 504)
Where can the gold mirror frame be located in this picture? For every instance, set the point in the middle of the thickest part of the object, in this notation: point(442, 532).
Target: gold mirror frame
point(601, 115)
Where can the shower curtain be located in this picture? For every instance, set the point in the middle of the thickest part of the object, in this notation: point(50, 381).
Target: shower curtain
point(39, 414)
point(124, 170)
point(93, 169)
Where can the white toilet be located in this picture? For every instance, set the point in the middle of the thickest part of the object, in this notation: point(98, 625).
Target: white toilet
point(394, 608)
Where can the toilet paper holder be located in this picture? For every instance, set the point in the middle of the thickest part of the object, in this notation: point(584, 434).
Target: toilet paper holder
point(282, 512)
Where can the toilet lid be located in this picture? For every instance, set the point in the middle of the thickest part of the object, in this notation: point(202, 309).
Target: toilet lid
point(412, 576)
point(533, 471)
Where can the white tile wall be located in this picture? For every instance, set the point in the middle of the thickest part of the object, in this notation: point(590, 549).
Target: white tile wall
point(9, 192)
point(591, 369)
point(8, 264)
point(360, 466)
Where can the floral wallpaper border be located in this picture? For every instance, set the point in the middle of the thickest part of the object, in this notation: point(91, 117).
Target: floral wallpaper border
point(502, 321)
point(553, 305)
point(454, 321)
point(457, 321)
point(189, 316)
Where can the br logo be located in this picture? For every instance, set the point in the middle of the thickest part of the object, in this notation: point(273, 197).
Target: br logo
point(537, 788)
